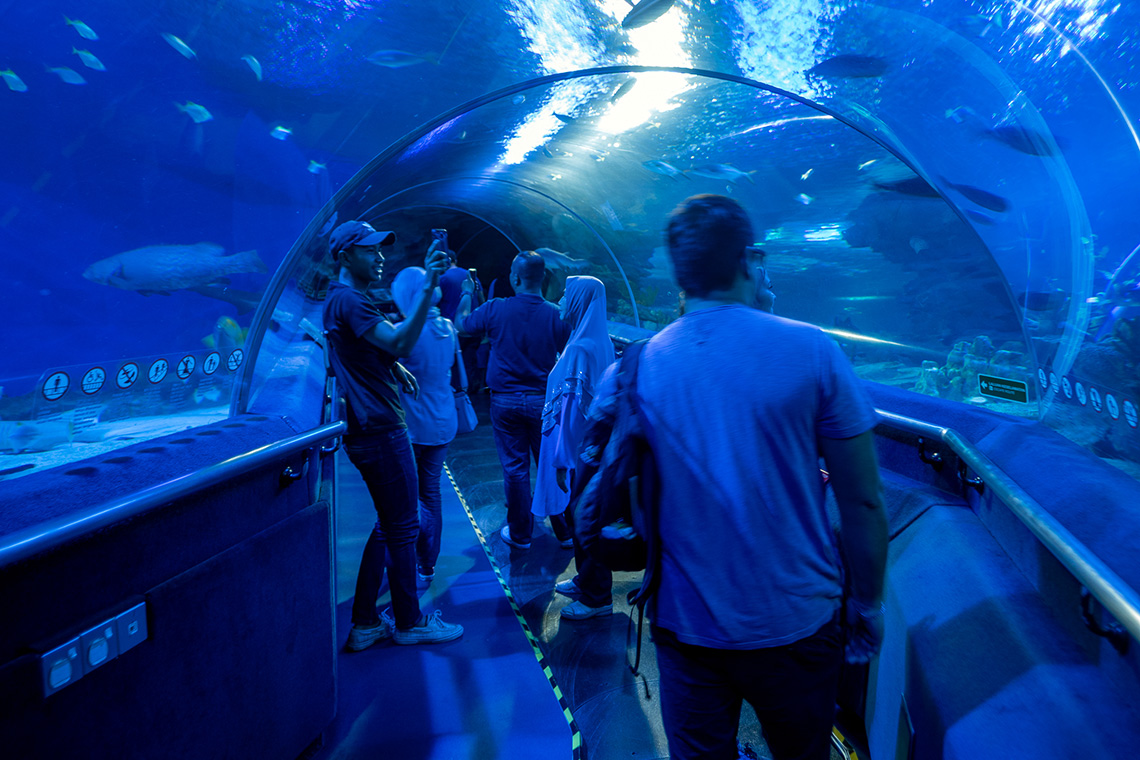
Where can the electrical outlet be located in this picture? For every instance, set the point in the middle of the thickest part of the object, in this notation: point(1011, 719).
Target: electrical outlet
point(61, 667)
point(99, 645)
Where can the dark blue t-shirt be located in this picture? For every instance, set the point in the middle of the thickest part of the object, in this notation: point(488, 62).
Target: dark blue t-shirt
point(450, 287)
point(362, 369)
point(526, 335)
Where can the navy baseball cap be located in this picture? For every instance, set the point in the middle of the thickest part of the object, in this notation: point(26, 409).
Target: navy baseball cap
point(357, 233)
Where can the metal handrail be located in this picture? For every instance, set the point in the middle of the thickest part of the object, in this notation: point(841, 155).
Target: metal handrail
point(53, 533)
point(1120, 599)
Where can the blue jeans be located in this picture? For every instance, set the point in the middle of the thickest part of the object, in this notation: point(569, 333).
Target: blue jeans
point(792, 688)
point(388, 467)
point(429, 466)
point(516, 419)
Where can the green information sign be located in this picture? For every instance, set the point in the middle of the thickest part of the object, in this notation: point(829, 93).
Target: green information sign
point(1000, 387)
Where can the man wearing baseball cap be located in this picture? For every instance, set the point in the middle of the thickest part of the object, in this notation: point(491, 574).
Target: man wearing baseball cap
point(363, 350)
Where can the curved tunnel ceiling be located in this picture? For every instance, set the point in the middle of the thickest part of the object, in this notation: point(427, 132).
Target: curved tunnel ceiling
point(590, 163)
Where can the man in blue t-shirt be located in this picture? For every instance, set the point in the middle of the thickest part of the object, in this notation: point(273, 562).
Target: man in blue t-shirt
point(740, 405)
point(363, 347)
point(526, 334)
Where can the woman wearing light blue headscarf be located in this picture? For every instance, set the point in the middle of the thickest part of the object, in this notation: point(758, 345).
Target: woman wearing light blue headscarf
point(569, 392)
point(430, 417)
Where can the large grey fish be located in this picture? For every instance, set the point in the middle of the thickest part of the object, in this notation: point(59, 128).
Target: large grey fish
point(850, 67)
point(915, 187)
point(1021, 139)
point(983, 198)
point(662, 167)
point(161, 269)
point(396, 59)
point(726, 172)
point(645, 12)
point(557, 260)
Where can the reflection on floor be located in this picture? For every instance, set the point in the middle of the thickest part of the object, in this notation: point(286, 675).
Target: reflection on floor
point(485, 696)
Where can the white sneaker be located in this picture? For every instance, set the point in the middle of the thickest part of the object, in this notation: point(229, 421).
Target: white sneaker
point(568, 587)
point(578, 611)
point(505, 533)
point(433, 631)
point(362, 637)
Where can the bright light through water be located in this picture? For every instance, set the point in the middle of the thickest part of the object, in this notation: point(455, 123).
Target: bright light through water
point(824, 233)
point(779, 41)
point(561, 35)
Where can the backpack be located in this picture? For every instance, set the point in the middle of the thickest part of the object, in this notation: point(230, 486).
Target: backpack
point(615, 491)
point(616, 480)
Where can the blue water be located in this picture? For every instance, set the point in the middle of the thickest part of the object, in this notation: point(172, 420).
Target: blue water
point(1019, 116)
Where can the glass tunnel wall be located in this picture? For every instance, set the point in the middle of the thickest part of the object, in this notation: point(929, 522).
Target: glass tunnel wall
point(944, 186)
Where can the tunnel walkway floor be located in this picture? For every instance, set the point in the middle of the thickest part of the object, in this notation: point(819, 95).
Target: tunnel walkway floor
point(522, 682)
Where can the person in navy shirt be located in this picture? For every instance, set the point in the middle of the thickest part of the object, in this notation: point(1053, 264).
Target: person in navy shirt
point(363, 347)
point(526, 334)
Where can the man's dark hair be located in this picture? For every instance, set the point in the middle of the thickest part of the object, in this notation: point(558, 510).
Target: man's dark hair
point(707, 235)
point(530, 268)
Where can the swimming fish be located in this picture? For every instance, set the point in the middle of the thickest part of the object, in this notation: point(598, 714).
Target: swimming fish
point(1020, 139)
point(395, 59)
point(89, 59)
point(557, 260)
point(15, 84)
point(315, 168)
point(725, 172)
point(162, 269)
point(807, 174)
point(254, 65)
point(983, 198)
point(863, 166)
point(661, 167)
point(196, 112)
point(19, 436)
point(70, 76)
point(850, 67)
point(645, 12)
point(564, 118)
point(518, 100)
point(916, 187)
point(280, 133)
point(179, 45)
point(918, 245)
point(85, 31)
point(227, 335)
point(620, 92)
point(803, 198)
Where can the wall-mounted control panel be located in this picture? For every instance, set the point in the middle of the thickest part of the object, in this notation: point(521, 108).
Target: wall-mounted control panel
point(93, 648)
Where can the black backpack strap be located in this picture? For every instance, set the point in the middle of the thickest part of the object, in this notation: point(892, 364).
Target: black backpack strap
point(647, 500)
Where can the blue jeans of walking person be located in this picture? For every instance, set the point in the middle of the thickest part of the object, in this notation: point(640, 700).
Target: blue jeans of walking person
point(386, 463)
point(429, 468)
point(516, 419)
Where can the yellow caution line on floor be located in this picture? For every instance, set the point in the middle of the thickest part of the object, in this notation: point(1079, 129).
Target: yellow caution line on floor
point(575, 734)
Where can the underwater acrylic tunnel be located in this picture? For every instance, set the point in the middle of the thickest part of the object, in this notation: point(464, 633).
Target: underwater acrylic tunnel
point(947, 188)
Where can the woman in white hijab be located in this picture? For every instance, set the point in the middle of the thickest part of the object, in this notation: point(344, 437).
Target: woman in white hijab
point(430, 416)
point(569, 392)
